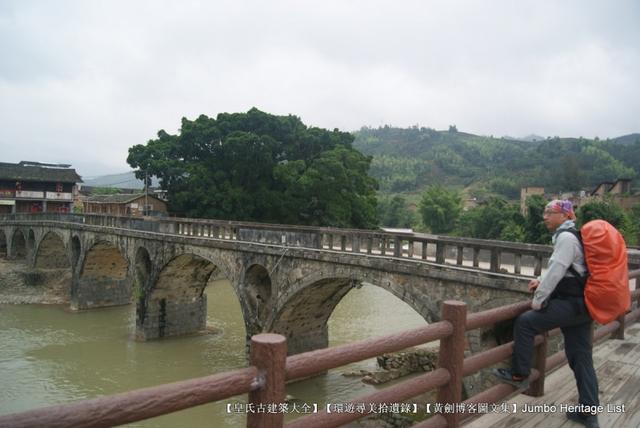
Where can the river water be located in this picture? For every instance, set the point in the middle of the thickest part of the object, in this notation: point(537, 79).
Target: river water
point(49, 355)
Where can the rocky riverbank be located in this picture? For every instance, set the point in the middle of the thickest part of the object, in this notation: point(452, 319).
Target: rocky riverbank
point(21, 285)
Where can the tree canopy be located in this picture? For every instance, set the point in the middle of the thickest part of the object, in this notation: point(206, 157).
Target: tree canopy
point(440, 209)
point(256, 166)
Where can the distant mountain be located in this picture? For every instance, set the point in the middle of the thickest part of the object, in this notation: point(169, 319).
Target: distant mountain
point(408, 160)
point(529, 138)
point(627, 139)
point(532, 138)
point(126, 180)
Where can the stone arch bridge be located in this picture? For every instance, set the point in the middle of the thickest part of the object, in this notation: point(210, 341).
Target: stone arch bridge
point(288, 279)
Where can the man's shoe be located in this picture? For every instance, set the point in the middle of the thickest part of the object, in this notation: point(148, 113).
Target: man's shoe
point(505, 376)
point(589, 421)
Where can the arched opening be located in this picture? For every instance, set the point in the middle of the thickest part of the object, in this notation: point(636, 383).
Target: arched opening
point(76, 248)
point(103, 260)
point(19, 245)
point(142, 271)
point(224, 316)
point(176, 304)
point(31, 240)
point(51, 253)
point(355, 311)
point(103, 279)
point(3, 244)
point(258, 287)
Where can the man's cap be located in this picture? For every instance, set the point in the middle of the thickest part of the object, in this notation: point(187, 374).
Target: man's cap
point(561, 206)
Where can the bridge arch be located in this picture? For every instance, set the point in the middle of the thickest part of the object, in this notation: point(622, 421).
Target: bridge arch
point(76, 251)
point(102, 280)
point(258, 288)
point(3, 243)
point(175, 304)
point(303, 316)
point(51, 252)
point(18, 245)
point(31, 241)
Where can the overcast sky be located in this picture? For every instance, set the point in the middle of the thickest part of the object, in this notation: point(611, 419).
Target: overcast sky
point(82, 81)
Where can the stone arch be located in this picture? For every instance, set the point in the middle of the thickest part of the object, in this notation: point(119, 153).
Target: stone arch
point(141, 273)
point(19, 245)
point(103, 260)
point(175, 304)
point(303, 319)
point(31, 240)
point(3, 244)
point(258, 289)
point(51, 253)
point(103, 279)
point(76, 251)
point(303, 312)
point(142, 270)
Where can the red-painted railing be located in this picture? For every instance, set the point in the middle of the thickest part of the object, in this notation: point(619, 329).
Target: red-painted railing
point(270, 369)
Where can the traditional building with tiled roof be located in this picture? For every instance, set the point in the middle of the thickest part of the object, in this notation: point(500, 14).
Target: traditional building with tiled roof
point(36, 187)
point(125, 205)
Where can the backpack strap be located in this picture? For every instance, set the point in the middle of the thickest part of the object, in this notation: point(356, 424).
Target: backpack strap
point(575, 232)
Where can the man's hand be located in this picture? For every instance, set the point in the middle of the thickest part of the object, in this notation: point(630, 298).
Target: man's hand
point(533, 284)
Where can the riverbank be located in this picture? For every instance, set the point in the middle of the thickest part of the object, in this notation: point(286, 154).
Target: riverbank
point(22, 285)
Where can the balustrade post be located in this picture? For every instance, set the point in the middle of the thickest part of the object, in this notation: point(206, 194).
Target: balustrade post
point(460, 255)
point(424, 250)
point(536, 389)
point(269, 355)
point(410, 249)
point(440, 252)
point(517, 263)
point(383, 246)
point(495, 260)
point(343, 242)
point(397, 247)
point(537, 270)
point(476, 257)
point(355, 243)
point(369, 244)
point(451, 357)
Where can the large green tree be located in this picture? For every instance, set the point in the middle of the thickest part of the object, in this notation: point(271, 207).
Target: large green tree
point(256, 166)
point(440, 209)
point(496, 219)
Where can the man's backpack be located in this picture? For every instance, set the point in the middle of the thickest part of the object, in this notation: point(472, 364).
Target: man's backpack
point(606, 292)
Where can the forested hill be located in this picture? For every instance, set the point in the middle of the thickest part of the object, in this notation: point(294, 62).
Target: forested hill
point(406, 160)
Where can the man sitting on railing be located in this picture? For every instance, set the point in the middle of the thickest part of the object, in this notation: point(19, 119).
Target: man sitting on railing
point(558, 301)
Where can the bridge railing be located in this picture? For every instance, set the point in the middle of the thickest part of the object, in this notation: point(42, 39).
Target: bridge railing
point(270, 369)
point(478, 254)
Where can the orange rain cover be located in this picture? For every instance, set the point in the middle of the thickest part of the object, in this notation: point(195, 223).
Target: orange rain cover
point(606, 292)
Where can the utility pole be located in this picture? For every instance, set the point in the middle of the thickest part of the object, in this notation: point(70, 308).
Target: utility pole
point(146, 193)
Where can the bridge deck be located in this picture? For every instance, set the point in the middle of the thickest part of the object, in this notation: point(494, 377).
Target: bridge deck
point(617, 364)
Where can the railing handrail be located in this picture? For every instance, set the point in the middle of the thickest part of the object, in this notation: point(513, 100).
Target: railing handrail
point(411, 247)
point(154, 401)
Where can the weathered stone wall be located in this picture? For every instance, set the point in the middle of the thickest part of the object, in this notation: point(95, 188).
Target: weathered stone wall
point(298, 239)
point(95, 292)
point(163, 318)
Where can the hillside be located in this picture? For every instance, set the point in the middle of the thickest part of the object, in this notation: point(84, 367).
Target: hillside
point(406, 160)
point(125, 180)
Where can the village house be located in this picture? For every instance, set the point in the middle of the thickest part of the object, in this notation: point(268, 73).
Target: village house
point(137, 204)
point(619, 192)
point(28, 187)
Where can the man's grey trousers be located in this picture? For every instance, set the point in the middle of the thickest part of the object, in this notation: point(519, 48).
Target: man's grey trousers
point(570, 314)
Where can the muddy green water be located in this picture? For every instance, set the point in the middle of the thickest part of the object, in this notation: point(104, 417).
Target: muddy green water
point(49, 355)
